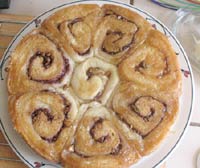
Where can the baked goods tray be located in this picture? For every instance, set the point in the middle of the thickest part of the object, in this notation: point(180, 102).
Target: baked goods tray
point(157, 157)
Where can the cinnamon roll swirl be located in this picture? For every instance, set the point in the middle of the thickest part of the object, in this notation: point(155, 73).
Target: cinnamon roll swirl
point(96, 81)
point(73, 27)
point(38, 63)
point(98, 143)
point(45, 120)
point(153, 64)
point(148, 113)
point(119, 30)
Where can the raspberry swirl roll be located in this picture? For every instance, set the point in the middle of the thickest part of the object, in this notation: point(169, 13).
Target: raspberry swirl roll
point(45, 120)
point(74, 27)
point(38, 63)
point(147, 113)
point(119, 30)
point(98, 143)
point(153, 64)
point(94, 79)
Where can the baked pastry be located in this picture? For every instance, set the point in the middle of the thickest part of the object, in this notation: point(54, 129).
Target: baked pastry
point(73, 28)
point(119, 30)
point(153, 64)
point(97, 142)
point(45, 120)
point(94, 86)
point(97, 80)
point(37, 64)
point(147, 113)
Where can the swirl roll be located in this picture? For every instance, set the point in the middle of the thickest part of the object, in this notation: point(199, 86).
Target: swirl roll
point(153, 64)
point(73, 27)
point(107, 58)
point(96, 81)
point(38, 63)
point(98, 143)
point(44, 119)
point(148, 113)
point(119, 30)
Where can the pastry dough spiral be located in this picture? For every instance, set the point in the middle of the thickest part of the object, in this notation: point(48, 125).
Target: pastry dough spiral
point(146, 112)
point(97, 80)
point(37, 64)
point(118, 31)
point(98, 143)
point(153, 64)
point(45, 120)
point(74, 27)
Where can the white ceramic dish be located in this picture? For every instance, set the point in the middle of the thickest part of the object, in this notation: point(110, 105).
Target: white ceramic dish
point(33, 160)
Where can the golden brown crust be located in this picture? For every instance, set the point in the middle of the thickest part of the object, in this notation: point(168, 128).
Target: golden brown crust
point(145, 112)
point(98, 142)
point(153, 64)
point(119, 31)
point(108, 59)
point(45, 120)
point(73, 28)
point(37, 63)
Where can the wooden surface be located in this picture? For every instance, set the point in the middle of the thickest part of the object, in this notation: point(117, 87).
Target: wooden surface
point(9, 26)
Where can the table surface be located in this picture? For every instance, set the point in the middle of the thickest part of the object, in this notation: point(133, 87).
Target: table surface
point(185, 155)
